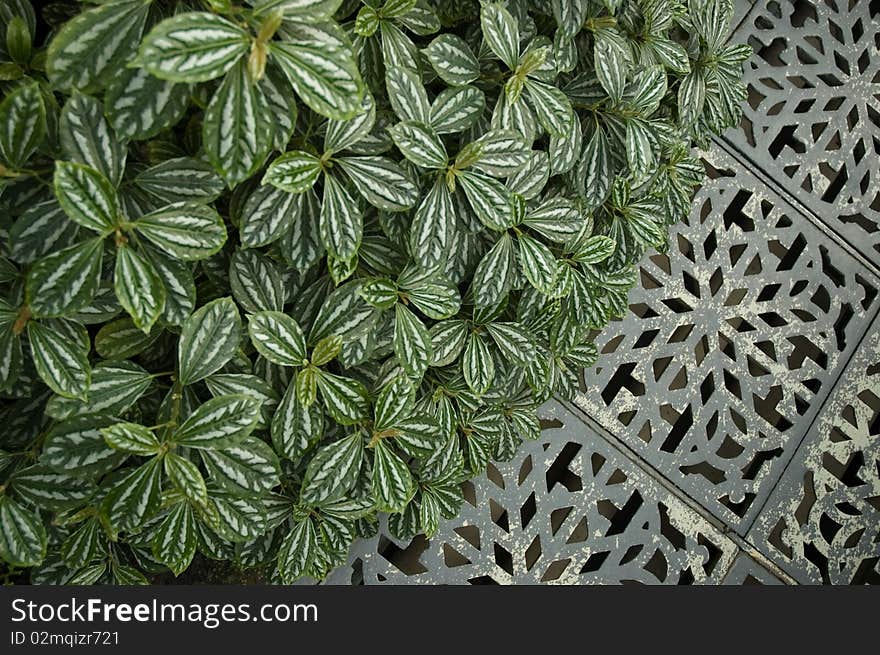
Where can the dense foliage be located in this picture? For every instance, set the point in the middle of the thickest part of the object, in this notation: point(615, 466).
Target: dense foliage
point(269, 269)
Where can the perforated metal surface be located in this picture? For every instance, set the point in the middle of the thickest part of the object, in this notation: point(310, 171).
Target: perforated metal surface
point(813, 116)
point(569, 509)
point(730, 431)
point(735, 338)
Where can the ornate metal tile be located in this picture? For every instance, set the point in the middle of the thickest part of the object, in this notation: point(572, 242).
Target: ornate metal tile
point(812, 121)
point(569, 509)
point(746, 571)
point(735, 337)
point(822, 523)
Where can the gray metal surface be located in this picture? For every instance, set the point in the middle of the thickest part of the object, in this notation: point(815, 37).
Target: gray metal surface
point(813, 116)
point(730, 431)
point(737, 335)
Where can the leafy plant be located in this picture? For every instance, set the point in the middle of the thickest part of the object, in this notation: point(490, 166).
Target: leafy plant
point(270, 269)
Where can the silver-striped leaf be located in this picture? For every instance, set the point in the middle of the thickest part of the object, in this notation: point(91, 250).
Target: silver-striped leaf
point(453, 60)
point(392, 482)
point(86, 196)
point(92, 46)
point(412, 344)
point(186, 230)
point(341, 220)
point(192, 46)
point(332, 471)
point(420, 144)
point(278, 338)
point(209, 339)
point(345, 400)
point(60, 362)
point(138, 287)
point(294, 172)
point(66, 280)
point(382, 182)
point(219, 422)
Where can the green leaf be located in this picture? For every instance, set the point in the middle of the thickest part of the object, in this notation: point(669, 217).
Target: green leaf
point(39, 231)
point(453, 60)
point(381, 293)
point(437, 299)
point(131, 438)
point(489, 199)
point(192, 47)
point(594, 249)
point(267, 215)
point(494, 275)
point(326, 350)
point(138, 288)
point(177, 279)
point(594, 172)
point(324, 75)
point(447, 341)
point(186, 230)
point(293, 172)
point(77, 446)
point(22, 535)
point(295, 427)
point(114, 388)
point(122, 339)
point(239, 517)
point(65, 281)
point(43, 487)
point(513, 341)
point(392, 481)
point(611, 59)
point(181, 179)
point(135, 497)
point(342, 134)
point(419, 435)
point(341, 220)
point(278, 338)
point(60, 362)
point(477, 365)
point(94, 44)
point(256, 281)
point(236, 132)
point(332, 471)
point(456, 110)
point(381, 182)
point(412, 344)
point(140, 106)
point(501, 152)
point(346, 400)
point(297, 551)
point(433, 227)
point(86, 196)
point(671, 54)
point(23, 120)
point(307, 386)
point(420, 144)
point(174, 541)
point(343, 313)
point(88, 139)
point(538, 263)
point(301, 246)
point(552, 107)
point(208, 340)
point(407, 94)
point(500, 32)
point(252, 386)
point(248, 467)
point(395, 402)
point(218, 423)
point(84, 545)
